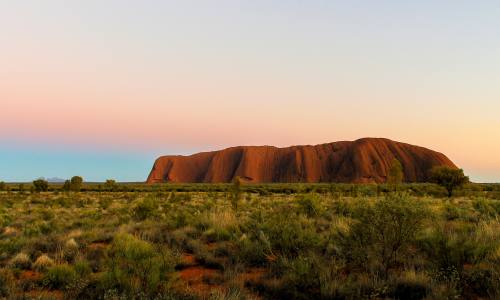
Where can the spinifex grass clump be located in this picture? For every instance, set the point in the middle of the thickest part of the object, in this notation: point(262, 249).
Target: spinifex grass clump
point(136, 266)
point(43, 262)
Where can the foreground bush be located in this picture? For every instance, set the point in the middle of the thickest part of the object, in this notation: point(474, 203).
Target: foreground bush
point(383, 232)
point(145, 208)
point(59, 277)
point(137, 266)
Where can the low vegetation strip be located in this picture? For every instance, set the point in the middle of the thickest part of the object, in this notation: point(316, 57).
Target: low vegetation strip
point(286, 241)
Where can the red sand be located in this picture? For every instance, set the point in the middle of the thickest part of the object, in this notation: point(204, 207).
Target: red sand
point(30, 275)
point(194, 276)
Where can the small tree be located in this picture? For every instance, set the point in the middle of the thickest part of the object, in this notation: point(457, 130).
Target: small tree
point(76, 183)
point(41, 185)
point(449, 178)
point(396, 174)
point(110, 185)
point(66, 186)
point(3, 186)
point(384, 231)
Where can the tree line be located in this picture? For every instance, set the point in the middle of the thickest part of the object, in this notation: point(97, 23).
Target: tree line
point(449, 178)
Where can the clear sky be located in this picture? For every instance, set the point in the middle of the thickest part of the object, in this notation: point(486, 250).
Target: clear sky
point(101, 88)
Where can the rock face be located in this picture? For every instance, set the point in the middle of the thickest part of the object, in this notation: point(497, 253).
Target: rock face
point(365, 160)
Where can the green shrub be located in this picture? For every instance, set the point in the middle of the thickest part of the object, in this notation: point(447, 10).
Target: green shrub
point(342, 207)
point(450, 249)
point(136, 265)
point(40, 185)
point(486, 208)
point(449, 178)
point(145, 208)
point(307, 276)
point(82, 268)
point(59, 277)
point(301, 273)
point(76, 183)
point(253, 252)
point(110, 185)
point(310, 205)
point(453, 212)
point(219, 225)
point(383, 231)
point(289, 234)
point(66, 186)
point(396, 175)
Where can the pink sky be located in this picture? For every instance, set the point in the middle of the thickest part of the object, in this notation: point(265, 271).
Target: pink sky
point(163, 76)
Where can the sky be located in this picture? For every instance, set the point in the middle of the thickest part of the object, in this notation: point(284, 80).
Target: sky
point(101, 88)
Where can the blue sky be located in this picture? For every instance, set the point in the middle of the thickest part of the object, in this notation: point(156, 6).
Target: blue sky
point(25, 164)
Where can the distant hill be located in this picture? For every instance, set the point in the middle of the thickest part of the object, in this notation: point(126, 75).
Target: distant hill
point(366, 160)
point(55, 180)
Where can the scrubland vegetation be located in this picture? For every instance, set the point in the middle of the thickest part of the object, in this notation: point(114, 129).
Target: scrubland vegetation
point(241, 241)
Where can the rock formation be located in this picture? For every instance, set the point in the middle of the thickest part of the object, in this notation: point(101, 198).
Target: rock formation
point(366, 160)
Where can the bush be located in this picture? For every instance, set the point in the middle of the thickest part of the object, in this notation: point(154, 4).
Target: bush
point(448, 178)
point(395, 175)
point(220, 225)
point(43, 262)
point(449, 249)
point(383, 231)
point(76, 183)
point(486, 208)
point(253, 252)
point(310, 205)
point(82, 268)
point(302, 273)
point(110, 185)
point(40, 185)
point(21, 261)
point(289, 234)
point(135, 265)
point(145, 209)
point(59, 277)
point(66, 186)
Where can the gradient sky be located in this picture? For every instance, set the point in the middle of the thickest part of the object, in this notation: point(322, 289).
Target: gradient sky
point(101, 88)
